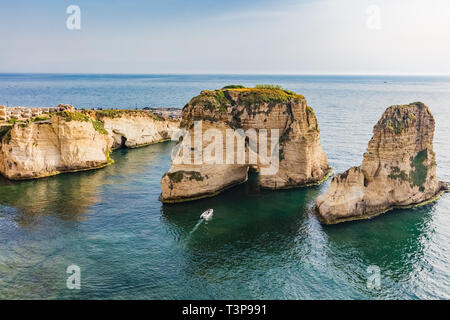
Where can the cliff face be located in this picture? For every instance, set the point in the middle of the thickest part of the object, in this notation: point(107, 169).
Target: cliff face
point(72, 141)
point(398, 169)
point(299, 162)
point(41, 149)
point(134, 129)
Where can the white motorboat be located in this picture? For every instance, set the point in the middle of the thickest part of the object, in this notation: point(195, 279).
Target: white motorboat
point(207, 215)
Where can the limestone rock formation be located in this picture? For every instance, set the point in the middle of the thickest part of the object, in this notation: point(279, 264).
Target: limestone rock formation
point(136, 128)
point(69, 140)
point(267, 111)
point(40, 149)
point(398, 169)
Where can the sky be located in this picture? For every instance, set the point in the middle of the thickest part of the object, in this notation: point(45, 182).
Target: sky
point(233, 36)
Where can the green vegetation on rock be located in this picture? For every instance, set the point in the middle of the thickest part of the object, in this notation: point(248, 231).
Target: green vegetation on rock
point(269, 86)
point(396, 173)
point(117, 113)
point(73, 116)
point(234, 86)
point(266, 94)
point(39, 119)
point(108, 156)
point(109, 113)
point(395, 125)
point(401, 119)
point(418, 175)
point(213, 100)
point(177, 176)
point(13, 120)
point(98, 126)
point(224, 101)
point(221, 99)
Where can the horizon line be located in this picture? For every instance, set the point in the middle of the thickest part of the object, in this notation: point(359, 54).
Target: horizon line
point(230, 74)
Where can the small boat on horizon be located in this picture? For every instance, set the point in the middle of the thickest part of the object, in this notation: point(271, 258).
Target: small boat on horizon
point(207, 215)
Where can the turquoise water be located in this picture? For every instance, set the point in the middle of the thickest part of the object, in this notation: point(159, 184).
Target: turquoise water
point(259, 244)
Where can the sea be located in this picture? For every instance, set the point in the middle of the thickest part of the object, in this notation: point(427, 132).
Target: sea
point(260, 244)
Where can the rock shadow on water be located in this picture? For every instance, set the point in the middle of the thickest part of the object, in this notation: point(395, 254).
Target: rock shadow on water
point(247, 221)
point(70, 196)
point(66, 197)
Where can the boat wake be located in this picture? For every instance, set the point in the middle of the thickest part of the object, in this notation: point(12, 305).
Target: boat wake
point(196, 227)
point(205, 216)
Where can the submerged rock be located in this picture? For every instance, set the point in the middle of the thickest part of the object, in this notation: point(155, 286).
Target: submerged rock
point(282, 115)
point(398, 169)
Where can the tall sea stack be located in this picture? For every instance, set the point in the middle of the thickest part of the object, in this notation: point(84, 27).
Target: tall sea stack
point(300, 159)
point(398, 170)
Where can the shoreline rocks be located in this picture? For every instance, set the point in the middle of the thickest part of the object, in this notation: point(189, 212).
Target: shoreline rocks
point(136, 128)
point(398, 169)
point(39, 150)
point(68, 140)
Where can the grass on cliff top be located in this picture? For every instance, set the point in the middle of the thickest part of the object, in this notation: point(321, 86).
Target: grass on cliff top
point(24, 123)
point(266, 94)
point(73, 116)
point(398, 122)
point(35, 119)
point(221, 99)
point(117, 113)
point(277, 92)
point(234, 86)
point(80, 116)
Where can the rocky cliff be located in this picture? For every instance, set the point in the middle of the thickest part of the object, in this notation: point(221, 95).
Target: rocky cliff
point(136, 128)
point(251, 115)
point(67, 141)
point(398, 169)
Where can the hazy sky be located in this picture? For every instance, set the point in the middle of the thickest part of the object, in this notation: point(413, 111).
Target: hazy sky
point(237, 36)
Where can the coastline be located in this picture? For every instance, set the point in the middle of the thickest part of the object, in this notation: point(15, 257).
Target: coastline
point(71, 141)
point(110, 162)
point(111, 223)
